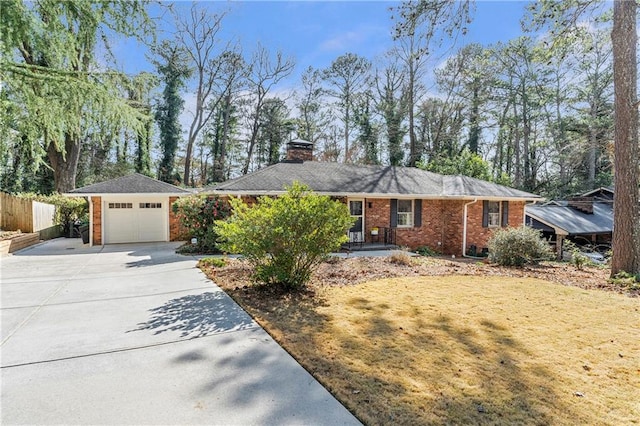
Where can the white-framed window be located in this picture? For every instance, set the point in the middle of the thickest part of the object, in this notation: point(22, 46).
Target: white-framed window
point(120, 205)
point(150, 205)
point(405, 213)
point(494, 214)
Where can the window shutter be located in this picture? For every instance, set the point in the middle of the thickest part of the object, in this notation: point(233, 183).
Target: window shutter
point(505, 213)
point(394, 213)
point(485, 214)
point(417, 213)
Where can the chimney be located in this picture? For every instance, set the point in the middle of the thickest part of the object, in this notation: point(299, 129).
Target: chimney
point(299, 150)
point(583, 204)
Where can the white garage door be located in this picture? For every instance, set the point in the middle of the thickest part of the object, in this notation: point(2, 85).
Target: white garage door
point(135, 221)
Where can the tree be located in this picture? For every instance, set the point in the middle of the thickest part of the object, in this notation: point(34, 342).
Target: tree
point(48, 57)
point(312, 118)
point(369, 131)
point(626, 213)
point(140, 87)
point(197, 36)
point(275, 129)
point(420, 27)
point(466, 163)
point(265, 73)
point(392, 104)
point(285, 238)
point(173, 69)
point(347, 76)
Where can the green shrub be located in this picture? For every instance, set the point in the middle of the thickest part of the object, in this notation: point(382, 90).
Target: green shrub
point(197, 214)
point(286, 237)
point(578, 258)
point(626, 280)
point(213, 262)
point(518, 246)
point(426, 251)
point(68, 209)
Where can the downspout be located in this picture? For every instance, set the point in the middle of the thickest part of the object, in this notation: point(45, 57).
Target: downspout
point(90, 222)
point(464, 228)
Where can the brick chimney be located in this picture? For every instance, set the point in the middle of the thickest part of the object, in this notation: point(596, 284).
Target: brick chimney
point(299, 150)
point(583, 204)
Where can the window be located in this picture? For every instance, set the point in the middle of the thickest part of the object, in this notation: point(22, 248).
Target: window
point(493, 210)
point(150, 205)
point(405, 213)
point(120, 205)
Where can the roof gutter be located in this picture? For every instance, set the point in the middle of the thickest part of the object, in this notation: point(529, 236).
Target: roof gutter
point(464, 228)
point(370, 195)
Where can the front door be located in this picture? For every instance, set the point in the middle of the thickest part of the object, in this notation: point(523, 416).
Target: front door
point(356, 233)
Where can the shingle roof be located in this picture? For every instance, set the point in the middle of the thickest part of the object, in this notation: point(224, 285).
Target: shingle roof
point(346, 179)
point(131, 184)
point(574, 221)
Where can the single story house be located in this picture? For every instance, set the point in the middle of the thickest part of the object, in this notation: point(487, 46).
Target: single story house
point(450, 214)
point(131, 209)
point(584, 219)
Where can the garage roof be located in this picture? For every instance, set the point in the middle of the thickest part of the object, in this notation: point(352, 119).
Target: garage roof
point(131, 184)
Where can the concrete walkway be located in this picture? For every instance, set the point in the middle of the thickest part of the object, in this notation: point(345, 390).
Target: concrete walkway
point(135, 334)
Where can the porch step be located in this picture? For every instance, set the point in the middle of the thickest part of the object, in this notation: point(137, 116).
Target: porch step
point(368, 247)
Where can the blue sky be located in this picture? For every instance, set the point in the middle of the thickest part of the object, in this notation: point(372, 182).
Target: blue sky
point(317, 32)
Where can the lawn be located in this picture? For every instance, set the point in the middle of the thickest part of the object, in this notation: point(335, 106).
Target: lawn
point(460, 349)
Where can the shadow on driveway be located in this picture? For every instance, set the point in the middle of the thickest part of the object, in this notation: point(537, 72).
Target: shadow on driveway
point(197, 315)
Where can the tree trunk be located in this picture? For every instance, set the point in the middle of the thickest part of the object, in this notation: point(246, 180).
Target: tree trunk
point(626, 217)
point(64, 165)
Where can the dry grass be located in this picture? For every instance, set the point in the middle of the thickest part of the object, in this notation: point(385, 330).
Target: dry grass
point(459, 349)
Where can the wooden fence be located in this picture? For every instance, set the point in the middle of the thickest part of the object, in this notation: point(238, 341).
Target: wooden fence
point(25, 215)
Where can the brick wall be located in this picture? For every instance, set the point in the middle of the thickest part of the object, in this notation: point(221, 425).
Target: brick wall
point(442, 224)
point(479, 236)
point(97, 220)
point(176, 230)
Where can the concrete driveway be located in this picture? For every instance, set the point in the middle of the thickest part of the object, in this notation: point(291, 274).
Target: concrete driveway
point(135, 334)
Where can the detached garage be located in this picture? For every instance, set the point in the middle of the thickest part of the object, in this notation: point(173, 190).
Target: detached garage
point(131, 209)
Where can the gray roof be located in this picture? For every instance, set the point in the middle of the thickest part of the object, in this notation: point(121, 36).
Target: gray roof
point(131, 184)
point(573, 221)
point(380, 181)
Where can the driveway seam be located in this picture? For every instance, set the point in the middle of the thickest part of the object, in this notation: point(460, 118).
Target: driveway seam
point(254, 326)
point(55, 293)
point(108, 299)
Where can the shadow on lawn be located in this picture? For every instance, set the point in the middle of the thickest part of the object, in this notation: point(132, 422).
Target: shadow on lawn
point(429, 370)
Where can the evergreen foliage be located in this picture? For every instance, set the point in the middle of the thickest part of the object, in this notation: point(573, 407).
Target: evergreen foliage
point(197, 214)
point(286, 237)
point(174, 71)
point(518, 247)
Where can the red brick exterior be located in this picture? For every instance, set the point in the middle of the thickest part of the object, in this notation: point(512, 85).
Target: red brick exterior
point(442, 224)
point(97, 220)
point(176, 230)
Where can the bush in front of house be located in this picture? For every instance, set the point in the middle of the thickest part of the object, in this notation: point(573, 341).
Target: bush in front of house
point(69, 210)
point(197, 214)
point(518, 246)
point(285, 238)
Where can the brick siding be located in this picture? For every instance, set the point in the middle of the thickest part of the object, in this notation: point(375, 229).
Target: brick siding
point(442, 224)
point(97, 220)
